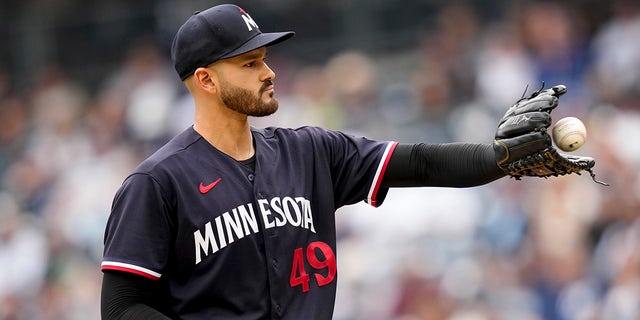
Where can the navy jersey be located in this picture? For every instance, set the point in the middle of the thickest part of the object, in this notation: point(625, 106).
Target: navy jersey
point(228, 240)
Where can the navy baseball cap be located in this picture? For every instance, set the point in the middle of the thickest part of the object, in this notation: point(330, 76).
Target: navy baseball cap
point(220, 32)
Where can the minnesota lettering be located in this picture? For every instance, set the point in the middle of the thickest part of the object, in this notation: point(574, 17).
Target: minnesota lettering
point(242, 221)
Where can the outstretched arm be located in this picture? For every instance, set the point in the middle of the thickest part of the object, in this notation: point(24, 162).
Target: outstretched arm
point(442, 165)
point(522, 147)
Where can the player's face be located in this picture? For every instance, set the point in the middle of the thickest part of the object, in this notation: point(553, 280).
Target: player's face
point(246, 85)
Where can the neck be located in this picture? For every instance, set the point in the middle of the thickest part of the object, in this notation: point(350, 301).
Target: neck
point(231, 135)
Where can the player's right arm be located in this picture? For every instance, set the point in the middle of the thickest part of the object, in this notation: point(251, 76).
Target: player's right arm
point(136, 245)
point(129, 297)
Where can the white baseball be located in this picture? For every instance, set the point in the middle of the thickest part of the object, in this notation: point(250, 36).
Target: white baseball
point(569, 134)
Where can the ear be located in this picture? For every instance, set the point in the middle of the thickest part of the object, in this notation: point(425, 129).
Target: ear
point(205, 79)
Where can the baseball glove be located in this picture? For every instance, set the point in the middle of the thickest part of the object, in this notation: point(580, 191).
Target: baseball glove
point(522, 145)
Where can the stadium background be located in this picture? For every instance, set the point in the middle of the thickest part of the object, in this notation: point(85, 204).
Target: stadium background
point(87, 91)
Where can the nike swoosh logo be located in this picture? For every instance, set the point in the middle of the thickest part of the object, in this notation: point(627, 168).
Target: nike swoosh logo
point(204, 189)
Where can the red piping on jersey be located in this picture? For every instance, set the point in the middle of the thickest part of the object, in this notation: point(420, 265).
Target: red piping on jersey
point(129, 270)
point(378, 182)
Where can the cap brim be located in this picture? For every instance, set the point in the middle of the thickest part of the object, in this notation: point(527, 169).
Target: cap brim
point(260, 40)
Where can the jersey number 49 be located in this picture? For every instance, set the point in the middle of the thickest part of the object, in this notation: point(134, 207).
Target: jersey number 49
point(327, 260)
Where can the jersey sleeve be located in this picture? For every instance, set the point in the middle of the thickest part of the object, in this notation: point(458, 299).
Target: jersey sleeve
point(358, 166)
point(376, 194)
point(138, 205)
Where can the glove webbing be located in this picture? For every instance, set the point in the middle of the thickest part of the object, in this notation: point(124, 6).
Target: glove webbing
point(549, 163)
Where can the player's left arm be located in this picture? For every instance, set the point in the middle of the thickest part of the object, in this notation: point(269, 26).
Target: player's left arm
point(441, 165)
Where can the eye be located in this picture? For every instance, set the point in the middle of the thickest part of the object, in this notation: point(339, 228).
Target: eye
point(255, 62)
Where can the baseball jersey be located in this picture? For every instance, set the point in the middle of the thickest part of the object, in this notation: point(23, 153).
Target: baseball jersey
point(227, 240)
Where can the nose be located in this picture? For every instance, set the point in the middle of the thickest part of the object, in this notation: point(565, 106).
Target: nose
point(269, 74)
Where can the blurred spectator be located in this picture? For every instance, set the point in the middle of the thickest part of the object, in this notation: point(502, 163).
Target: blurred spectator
point(14, 118)
point(503, 66)
point(312, 102)
point(55, 141)
point(352, 79)
point(147, 88)
point(558, 51)
point(23, 259)
point(617, 56)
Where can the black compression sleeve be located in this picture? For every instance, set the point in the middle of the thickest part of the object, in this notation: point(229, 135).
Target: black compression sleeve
point(129, 297)
point(441, 165)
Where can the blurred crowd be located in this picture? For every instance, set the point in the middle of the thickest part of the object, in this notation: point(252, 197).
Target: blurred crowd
point(564, 248)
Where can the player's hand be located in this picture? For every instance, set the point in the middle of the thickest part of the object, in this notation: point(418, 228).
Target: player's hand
point(522, 145)
point(522, 131)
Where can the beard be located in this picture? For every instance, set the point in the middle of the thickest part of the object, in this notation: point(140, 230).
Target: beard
point(246, 102)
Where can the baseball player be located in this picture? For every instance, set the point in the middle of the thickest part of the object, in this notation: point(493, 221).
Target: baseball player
point(227, 221)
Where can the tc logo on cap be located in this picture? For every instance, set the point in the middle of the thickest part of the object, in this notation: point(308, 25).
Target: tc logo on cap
point(248, 20)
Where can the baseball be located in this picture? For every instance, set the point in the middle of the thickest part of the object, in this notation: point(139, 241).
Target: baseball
point(569, 134)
